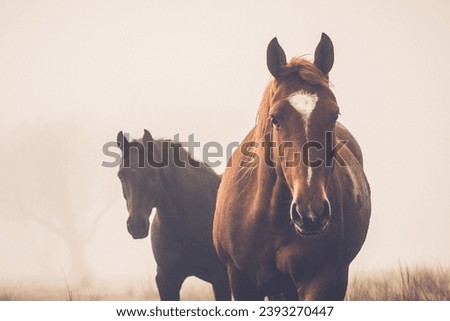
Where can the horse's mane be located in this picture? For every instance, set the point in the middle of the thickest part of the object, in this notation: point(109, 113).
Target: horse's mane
point(184, 152)
point(185, 155)
point(305, 70)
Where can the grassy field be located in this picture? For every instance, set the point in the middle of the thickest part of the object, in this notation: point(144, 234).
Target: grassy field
point(130, 289)
point(404, 283)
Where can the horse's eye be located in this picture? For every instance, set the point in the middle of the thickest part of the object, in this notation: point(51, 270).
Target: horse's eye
point(274, 121)
point(334, 117)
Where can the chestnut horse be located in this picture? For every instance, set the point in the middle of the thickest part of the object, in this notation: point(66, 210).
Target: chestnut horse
point(161, 174)
point(293, 207)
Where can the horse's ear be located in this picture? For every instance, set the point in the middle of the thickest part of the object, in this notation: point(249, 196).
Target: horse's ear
point(324, 55)
point(276, 58)
point(147, 136)
point(121, 141)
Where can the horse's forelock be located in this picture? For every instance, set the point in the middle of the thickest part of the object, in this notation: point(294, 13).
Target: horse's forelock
point(306, 70)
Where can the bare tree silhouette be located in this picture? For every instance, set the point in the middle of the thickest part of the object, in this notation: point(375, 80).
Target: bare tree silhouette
point(49, 183)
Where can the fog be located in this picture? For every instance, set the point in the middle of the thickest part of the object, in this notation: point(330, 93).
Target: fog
point(74, 73)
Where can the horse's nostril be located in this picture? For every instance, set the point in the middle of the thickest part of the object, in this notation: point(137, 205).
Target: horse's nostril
point(296, 217)
point(309, 221)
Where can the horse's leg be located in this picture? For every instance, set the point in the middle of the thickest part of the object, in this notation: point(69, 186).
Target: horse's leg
point(221, 287)
point(321, 287)
point(169, 284)
point(342, 282)
point(242, 287)
point(277, 297)
point(290, 292)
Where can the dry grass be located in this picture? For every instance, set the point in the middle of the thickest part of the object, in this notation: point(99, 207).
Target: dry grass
point(114, 290)
point(403, 284)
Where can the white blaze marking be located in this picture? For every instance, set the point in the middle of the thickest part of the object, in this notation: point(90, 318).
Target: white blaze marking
point(308, 178)
point(304, 102)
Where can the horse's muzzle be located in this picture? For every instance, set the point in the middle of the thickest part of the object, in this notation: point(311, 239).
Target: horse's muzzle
point(138, 228)
point(308, 222)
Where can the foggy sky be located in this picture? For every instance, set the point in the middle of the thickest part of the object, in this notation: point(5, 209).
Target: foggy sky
point(80, 71)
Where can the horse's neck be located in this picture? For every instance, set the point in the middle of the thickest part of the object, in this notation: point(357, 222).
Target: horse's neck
point(169, 184)
point(172, 200)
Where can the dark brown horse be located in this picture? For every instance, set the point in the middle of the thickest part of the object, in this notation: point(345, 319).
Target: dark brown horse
point(161, 174)
point(293, 207)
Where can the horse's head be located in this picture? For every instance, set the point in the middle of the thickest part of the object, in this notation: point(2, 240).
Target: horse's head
point(140, 182)
point(301, 110)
